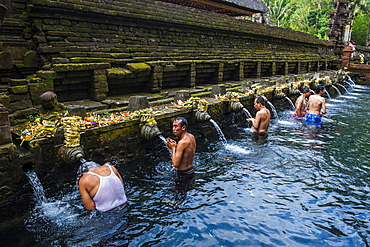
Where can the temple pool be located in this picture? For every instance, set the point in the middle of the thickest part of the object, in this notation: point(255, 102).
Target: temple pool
point(302, 187)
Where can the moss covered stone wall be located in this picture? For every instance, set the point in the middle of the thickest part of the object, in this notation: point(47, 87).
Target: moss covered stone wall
point(100, 48)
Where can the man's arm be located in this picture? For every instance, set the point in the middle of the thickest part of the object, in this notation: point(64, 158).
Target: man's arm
point(298, 107)
point(257, 121)
point(86, 198)
point(323, 106)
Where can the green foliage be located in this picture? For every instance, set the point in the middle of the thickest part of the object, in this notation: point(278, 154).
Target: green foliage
point(360, 29)
point(311, 16)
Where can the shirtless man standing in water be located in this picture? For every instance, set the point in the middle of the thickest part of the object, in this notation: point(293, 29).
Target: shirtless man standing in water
point(182, 152)
point(262, 120)
point(316, 106)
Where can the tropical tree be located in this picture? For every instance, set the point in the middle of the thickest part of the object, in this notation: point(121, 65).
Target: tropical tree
point(360, 29)
point(311, 16)
point(279, 11)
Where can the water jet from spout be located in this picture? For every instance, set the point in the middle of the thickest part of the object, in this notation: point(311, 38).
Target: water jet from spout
point(36, 185)
point(219, 131)
point(336, 89)
point(290, 102)
point(345, 89)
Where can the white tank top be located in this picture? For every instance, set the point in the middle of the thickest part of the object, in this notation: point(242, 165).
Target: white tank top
point(111, 192)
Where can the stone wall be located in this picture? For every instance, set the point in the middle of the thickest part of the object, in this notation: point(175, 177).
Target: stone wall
point(124, 140)
point(98, 49)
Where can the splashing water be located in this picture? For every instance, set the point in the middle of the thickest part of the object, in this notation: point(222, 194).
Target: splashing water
point(37, 188)
point(164, 141)
point(237, 149)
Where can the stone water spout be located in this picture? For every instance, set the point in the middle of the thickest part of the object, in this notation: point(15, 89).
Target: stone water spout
point(149, 129)
point(201, 113)
point(150, 132)
point(202, 116)
point(279, 94)
point(236, 106)
point(295, 91)
point(71, 154)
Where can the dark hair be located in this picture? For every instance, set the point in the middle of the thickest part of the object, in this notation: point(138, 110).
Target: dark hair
point(306, 90)
point(85, 167)
point(319, 88)
point(184, 122)
point(261, 100)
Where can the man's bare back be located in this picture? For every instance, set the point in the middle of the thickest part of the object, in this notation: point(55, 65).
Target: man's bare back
point(317, 105)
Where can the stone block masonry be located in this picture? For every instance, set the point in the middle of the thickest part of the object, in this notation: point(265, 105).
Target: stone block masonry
point(96, 49)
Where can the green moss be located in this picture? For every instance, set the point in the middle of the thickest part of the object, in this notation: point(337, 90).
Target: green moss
point(18, 89)
point(80, 66)
point(138, 67)
point(46, 74)
point(120, 55)
point(117, 73)
point(91, 60)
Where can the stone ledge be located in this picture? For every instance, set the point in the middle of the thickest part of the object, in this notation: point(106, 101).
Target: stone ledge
point(80, 66)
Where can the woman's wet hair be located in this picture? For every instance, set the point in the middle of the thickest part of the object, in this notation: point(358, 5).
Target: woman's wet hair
point(319, 88)
point(184, 122)
point(261, 100)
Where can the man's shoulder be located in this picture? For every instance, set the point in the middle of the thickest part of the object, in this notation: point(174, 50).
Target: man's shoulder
point(189, 138)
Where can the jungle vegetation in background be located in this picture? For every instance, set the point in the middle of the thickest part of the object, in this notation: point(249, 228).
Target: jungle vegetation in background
point(311, 16)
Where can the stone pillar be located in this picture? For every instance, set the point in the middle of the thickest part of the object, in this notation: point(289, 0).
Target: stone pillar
point(99, 88)
point(218, 89)
point(259, 69)
point(309, 66)
point(6, 60)
point(182, 95)
point(240, 71)
point(298, 69)
point(76, 110)
point(245, 87)
point(137, 102)
point(346, 58)
point(286, 68)
point(220, 74)
point(5, 133)
point(192, 75)
point(273, 68)
point(156, 78)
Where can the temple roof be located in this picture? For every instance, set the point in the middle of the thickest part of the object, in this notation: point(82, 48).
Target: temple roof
point(227, 7)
